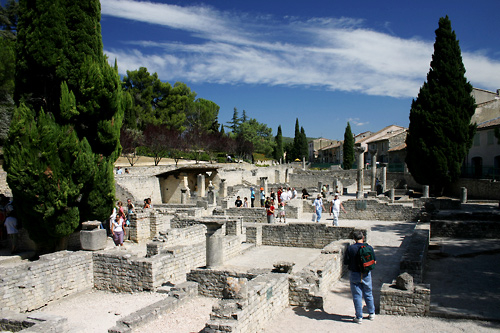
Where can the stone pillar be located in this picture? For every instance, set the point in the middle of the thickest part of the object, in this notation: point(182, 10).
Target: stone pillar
point(425, 191)
point(392, 195)
point(337, 186)
point(384, 177)
point(276, 176)
point(223, 188)
point(263, 183)
point(185, 184)
point(201, 186)
point(463, 195)
point(214, 249)
point(303, 163)
point(360, 193)
point(211, 195)
point(320, 185)
point(374, 171)
point(183, 196)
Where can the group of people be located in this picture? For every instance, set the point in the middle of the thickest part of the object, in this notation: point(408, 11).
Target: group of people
point(335, 207)
point(119, 220)
point(9, 223)
point(119, 171)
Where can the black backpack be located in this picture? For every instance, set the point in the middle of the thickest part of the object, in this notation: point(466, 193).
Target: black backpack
point(366, 259)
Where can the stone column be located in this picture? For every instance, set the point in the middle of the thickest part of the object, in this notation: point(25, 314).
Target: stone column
point(463, 195)
point(185, 184)
point(276, 176)
point(214, 249)
point(183, 196)
point(201, 186)
point(337, 186)
point(425, 191)
point(374, 171)
point(223, 188)
point(392, 195)
point(384, 177)
point(263, 183)
point(211, 195)
point(320, 185)
point(360, 151)
point(303, 163)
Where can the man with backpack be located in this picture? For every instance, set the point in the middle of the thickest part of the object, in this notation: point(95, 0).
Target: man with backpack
point(360, 259)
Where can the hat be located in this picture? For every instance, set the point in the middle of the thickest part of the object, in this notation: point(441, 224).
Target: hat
point(319, 196)
point(262, 189)
point(336, 194)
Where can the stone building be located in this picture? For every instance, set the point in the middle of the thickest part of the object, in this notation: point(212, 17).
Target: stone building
point(315, 145)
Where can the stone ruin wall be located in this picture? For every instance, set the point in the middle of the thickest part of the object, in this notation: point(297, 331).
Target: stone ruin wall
point(299, 234)
point(29, 286)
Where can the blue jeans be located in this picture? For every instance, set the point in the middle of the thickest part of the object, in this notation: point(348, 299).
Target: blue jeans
point(318, 214)
point(362, 288)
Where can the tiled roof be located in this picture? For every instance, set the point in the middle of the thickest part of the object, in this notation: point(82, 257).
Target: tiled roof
point(397, 148)
point(490, 123)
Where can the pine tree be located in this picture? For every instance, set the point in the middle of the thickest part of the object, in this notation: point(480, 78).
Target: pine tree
point(64, 137)
point(440, 133)
point(235, 122)
point(278, 150)
point(348, 148)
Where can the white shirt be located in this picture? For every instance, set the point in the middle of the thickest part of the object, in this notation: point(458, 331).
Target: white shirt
point(11, 225)
point(336, 205)
point(318, 203)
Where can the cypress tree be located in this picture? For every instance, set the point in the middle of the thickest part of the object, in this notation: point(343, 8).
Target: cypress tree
point(64, 137)
point(348, 148)
point(294, 154)
point(440, 133)
point(278, 149)
point(303, 147)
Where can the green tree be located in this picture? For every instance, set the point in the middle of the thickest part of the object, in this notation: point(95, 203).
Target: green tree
point(8, 26)
point(259, 135)
point(303, 146)
point(295, 152)
point(440, 132)
point(348, 148)
point(203, 115)
point(64, 137)
point(235, 122)
point(278, 148)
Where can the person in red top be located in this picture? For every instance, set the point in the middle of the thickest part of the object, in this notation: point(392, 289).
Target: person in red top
point(280, 190)
point(270, 212)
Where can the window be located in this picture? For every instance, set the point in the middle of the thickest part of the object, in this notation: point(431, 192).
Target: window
point(491, 137)
point(477, 140)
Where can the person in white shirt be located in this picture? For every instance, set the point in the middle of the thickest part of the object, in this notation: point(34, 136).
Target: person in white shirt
point(335, 208)
point(11, 226)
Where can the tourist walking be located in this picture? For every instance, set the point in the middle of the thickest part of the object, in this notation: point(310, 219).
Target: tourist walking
point(245, 202)
point(318, 205)
point(252, 197)
point(262, 197)
point(335, 207)
point(361, 283)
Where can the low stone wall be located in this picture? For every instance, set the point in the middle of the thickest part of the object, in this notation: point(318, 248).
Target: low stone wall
point(413, 260)
point(29, 286)
point(32, 323)
point(309, 286)
point(465, 229)
point(301, 234)
point(175, 237)
point(256, 214)
point(376, 210)
point(178, 295)
point(414, 302)
point(267, 297)
point(214, 282)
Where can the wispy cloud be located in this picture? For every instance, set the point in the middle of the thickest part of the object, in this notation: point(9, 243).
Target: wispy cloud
point(335, 54)
point(357, 122)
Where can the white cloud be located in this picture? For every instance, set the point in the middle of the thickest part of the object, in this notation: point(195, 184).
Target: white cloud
point(335, 54)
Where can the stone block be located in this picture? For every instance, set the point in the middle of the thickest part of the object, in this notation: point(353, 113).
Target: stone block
point(93, 240)
point(405, 282)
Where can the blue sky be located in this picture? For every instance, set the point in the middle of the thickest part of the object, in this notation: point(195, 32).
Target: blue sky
point(326, 62)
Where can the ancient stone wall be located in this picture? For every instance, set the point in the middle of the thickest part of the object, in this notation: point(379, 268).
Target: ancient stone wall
point(29, 286)
point(414, 302)
point(256, 214)
point(376, 210)
point(267, 297)
point(302, 234)
point(465, 229)
point(414, 259)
